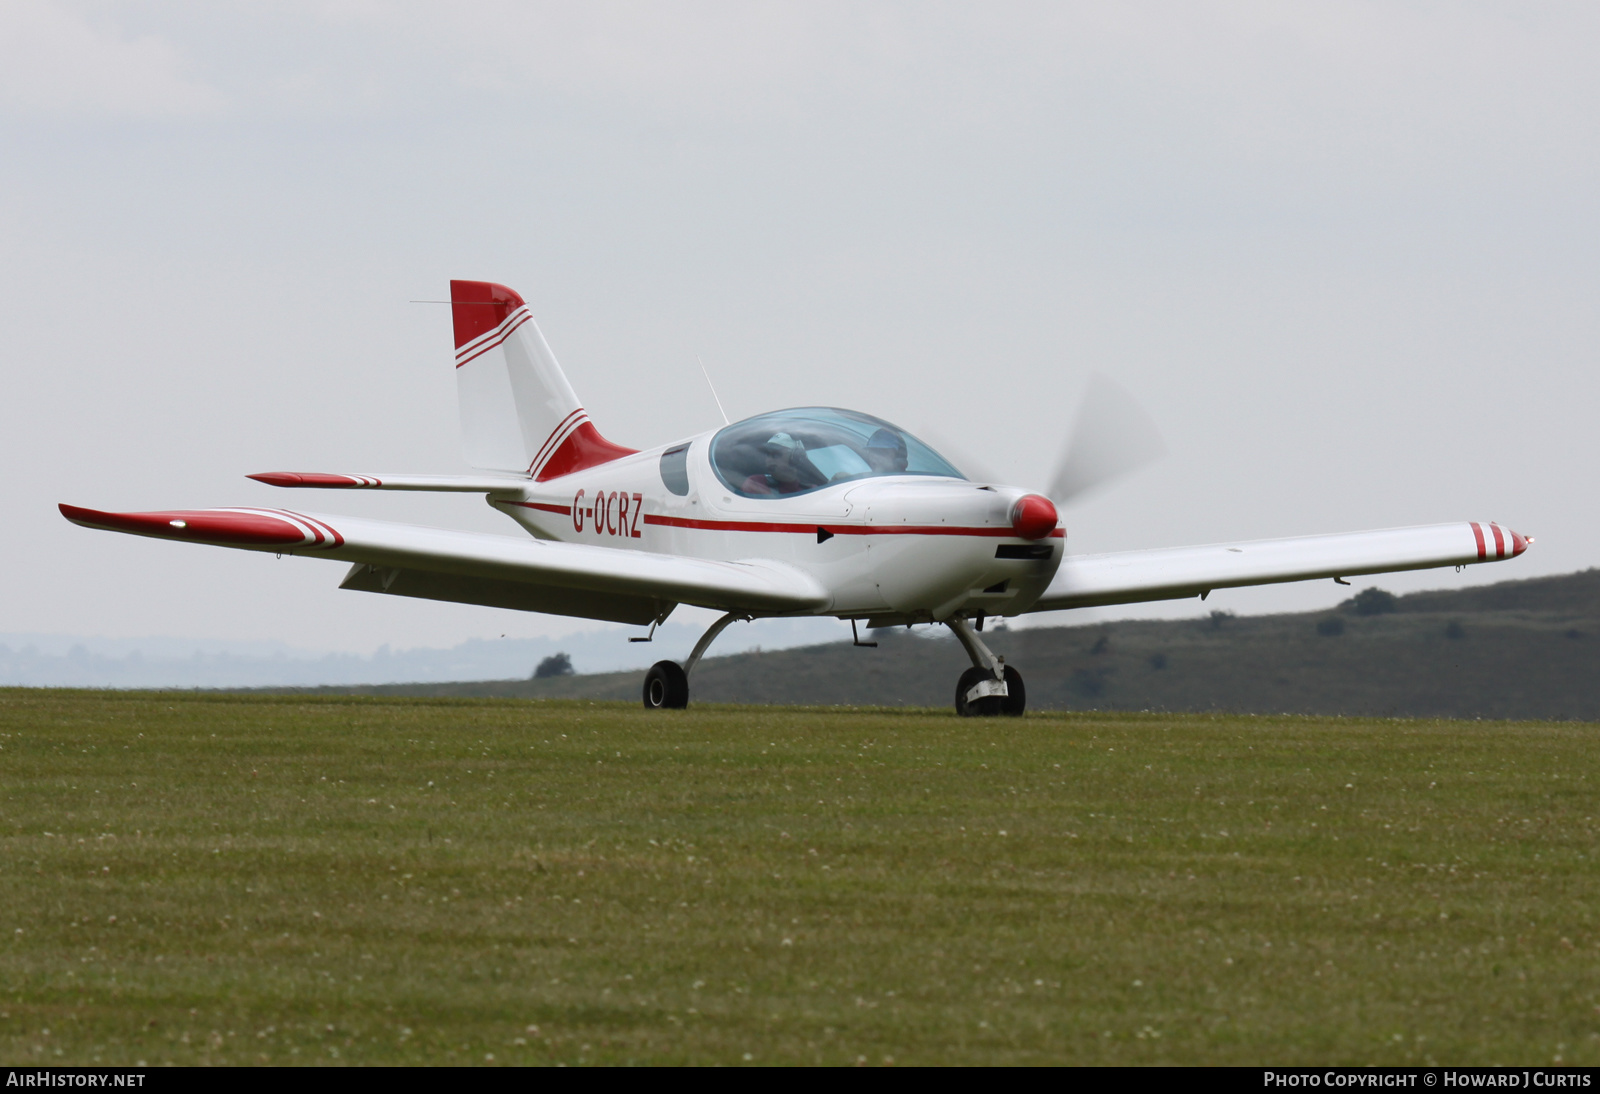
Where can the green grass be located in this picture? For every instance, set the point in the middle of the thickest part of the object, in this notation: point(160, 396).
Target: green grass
point(238, 880)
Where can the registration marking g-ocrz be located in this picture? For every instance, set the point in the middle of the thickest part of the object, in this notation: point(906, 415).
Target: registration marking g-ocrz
point(613, 513)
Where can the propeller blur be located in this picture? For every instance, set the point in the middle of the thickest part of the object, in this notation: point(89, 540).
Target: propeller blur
point(805, 511)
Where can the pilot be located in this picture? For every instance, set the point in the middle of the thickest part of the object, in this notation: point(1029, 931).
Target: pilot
point(886, 452)
point(786, 462)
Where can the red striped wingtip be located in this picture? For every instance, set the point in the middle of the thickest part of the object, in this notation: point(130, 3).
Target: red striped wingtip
point(234, 527)
point(315, 480)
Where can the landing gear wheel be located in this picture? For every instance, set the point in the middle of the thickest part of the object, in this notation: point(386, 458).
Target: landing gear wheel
point(984, 707)
point(1012, 704)
point(1016, 700)
point(666, 687)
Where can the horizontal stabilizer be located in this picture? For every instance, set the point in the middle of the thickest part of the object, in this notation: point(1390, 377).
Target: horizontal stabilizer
point(467, 484)
point(553, 576)
point(1172, 573)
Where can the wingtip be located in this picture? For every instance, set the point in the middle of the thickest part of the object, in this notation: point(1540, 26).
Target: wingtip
point(261, 528)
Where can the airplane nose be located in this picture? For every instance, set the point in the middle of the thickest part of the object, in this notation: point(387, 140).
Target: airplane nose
point(1519, 543)
point(1034, 516)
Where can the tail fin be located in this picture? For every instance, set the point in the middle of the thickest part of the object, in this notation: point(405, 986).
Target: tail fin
point(518, 413)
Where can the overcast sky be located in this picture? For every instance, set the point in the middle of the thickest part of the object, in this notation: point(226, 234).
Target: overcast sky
point(1346, 255)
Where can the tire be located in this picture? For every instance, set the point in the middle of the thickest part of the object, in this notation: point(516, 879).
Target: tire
point(1016, 700)
point(666, 687)
point(988, 706)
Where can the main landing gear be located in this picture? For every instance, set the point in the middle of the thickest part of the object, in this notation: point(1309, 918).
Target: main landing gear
point(990, 686)
point(666, 685)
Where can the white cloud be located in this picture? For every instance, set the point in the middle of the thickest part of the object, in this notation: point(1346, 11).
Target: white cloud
point(53, 61)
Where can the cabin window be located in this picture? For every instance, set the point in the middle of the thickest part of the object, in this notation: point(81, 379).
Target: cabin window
point(675, 469)
point(798, 451)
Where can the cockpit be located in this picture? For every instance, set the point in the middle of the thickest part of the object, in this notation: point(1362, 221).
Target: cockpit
point(791, 452)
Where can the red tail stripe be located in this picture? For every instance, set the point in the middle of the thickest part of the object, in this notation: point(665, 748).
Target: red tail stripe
point(1499, 542)
point(557, 435)
point(499, 328)
point(481, 350)
point(583, 448)
point(1477, 532)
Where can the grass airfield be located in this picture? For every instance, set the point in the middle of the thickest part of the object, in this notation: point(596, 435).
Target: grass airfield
point(220, 879)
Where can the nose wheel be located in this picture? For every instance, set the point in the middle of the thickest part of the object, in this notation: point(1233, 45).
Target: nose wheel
point(990, 687)
point(977, 698)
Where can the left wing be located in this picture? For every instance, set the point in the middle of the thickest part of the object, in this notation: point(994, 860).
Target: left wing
point(1172, 573)
point(479, 568)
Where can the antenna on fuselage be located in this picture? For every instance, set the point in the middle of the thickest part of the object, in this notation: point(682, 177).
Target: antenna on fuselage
point(713, 388)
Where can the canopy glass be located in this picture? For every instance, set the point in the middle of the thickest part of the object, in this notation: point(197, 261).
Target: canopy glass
point(791, 452)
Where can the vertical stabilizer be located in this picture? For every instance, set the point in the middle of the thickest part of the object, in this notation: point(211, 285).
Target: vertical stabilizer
point(518, 413)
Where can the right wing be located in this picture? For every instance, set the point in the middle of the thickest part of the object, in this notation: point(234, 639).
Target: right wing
point(1172, 573)
point(479, 568)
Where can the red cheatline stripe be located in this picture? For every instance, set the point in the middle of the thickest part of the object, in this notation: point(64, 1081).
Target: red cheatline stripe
point(485, 349)
point(563, 510)
point(557, 436)
point(1499, 542)
point(839, 529)
point(1477, 532)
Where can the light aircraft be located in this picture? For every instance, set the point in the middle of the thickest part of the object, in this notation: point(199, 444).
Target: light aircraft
point(807, 511)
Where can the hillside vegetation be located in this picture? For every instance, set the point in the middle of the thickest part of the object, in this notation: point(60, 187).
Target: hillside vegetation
point(1518, 649)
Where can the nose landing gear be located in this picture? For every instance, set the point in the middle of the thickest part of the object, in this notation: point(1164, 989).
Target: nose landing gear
point(666, 685)
point(991, 687)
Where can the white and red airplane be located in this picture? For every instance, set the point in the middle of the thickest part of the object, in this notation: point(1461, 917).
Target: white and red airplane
point(809, 511)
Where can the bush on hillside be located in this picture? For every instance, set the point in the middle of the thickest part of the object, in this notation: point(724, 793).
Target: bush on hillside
point(1373, 601)
point(557, 664)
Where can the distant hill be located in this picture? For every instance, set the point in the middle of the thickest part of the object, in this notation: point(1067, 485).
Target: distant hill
point(1520, 649)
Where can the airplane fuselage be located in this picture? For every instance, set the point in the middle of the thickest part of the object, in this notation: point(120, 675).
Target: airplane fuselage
point(896, 548)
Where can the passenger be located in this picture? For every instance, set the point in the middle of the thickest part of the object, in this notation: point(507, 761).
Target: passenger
point(886, 452)
point(786, 463)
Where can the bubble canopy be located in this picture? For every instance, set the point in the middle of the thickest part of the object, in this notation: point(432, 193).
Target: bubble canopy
point(791, 452)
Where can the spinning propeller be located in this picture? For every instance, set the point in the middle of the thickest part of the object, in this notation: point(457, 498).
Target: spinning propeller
point(1113, 436)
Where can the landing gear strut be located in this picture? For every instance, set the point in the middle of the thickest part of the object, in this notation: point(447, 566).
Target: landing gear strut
point(666, 685)
point(990, 686)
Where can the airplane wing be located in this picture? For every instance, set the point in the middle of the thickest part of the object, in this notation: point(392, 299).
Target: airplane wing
point(1128, 577)
point(479, 568)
